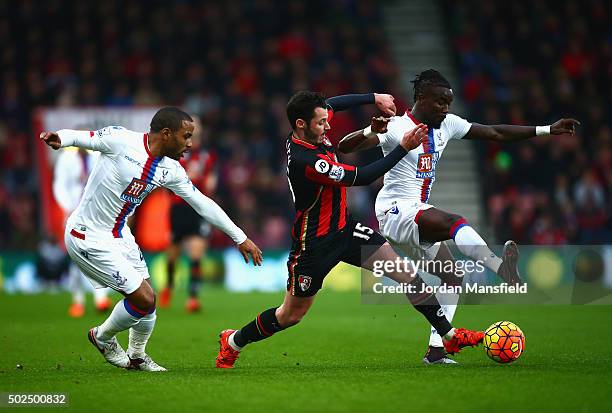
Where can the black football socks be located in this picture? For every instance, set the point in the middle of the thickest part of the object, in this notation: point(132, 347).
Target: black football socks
point(428, 305)
point(264, 326)
point(195, 278)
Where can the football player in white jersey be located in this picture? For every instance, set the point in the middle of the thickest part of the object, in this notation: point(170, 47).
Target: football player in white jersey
point(405, 217)
point(131, 165)
point(70, 174)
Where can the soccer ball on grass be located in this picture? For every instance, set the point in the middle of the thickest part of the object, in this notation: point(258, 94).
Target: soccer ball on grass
point(504, 342)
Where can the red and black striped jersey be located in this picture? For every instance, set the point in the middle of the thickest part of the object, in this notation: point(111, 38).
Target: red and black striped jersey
point(318, 185)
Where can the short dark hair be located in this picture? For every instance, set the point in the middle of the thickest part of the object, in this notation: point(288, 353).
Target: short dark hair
point(302, 106)
point(426, 79)
point(169, 117)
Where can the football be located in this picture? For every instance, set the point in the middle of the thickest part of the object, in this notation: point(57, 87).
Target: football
point(504, 342)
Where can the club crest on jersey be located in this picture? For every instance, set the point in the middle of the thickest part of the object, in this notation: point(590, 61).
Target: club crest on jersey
point(164, 177)
point(304, 282)
point(136, 191)
point(426, 164)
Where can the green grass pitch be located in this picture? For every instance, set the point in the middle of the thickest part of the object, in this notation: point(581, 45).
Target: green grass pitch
point(343, 357)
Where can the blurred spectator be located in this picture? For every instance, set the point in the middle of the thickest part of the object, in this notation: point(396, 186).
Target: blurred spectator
point(51, 261)
point(233, 63)
point(532, 63)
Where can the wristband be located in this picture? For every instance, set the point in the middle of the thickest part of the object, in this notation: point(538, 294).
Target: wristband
point(542, 130)
point(367, 132)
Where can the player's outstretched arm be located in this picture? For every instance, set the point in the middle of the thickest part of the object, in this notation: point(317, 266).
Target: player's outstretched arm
point(365, 138)
point(365, 175)
point(511, 133)
point(324, 171)
point(215, 215)
point(102, 140)
point(383, 101)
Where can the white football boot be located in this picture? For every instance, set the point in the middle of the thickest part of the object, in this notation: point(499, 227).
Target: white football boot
point(111, 350)
point(145, 363)
point(437, 355)
point(443, 360)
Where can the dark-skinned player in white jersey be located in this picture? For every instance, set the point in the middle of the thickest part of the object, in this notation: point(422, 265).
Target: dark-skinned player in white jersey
point(406, 219)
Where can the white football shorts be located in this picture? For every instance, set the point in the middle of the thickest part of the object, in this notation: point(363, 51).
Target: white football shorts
point(107, 262)
point(398, 225)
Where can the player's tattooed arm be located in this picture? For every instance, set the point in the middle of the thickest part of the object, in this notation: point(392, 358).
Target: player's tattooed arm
point(383, 101)
point(511, 133)
point(365, 138)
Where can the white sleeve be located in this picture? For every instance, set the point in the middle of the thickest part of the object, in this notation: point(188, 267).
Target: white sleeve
point(205, 206)
point(390, 137)
point(105, 140)
point(457, 126)
point(382, 139)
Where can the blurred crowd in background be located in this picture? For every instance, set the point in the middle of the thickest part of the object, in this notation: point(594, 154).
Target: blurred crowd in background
point(531, 63)
point(235, 65)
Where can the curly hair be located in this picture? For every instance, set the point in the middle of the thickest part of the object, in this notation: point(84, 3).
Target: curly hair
point(427, 78)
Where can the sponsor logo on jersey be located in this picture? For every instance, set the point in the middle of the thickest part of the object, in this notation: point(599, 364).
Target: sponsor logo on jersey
point(134, 161)
point(394, 210)
point(136, 191)
point(304, 282)
point(426, 165)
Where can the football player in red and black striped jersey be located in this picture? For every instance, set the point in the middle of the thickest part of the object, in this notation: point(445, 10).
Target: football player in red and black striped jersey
point(324, 232)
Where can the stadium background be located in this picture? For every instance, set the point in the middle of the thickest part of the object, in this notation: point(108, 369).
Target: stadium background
point(235, 68)
point(235, 64)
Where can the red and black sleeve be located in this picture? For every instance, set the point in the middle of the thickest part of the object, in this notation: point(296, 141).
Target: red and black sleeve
point(324, 170)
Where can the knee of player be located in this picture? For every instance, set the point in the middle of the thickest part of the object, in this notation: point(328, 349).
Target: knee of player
point(291, 318)
point(148, 301)
point(454, 222)
point(294, 319)
point(451, 219)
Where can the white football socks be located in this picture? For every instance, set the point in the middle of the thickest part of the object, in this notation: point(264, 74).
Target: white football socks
point(450, 334)
point(118, 320)
point(100, 294)
point(435, 340)
point(471, 244)
point(232, 343)
point(139, 335)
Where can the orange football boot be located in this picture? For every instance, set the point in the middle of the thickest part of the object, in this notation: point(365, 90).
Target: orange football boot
point(164, 298)
point(462, 338)
point(104, 304)
point(227, 355)
point(76, 310)
point(193, 305)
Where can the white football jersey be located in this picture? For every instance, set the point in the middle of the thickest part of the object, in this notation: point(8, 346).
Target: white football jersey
point(124, 175)
point(412, 178)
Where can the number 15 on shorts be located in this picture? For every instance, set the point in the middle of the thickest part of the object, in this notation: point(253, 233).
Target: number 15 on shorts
point(361, 231)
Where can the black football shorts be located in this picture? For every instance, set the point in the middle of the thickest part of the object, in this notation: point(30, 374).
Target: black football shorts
point(309, 266)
